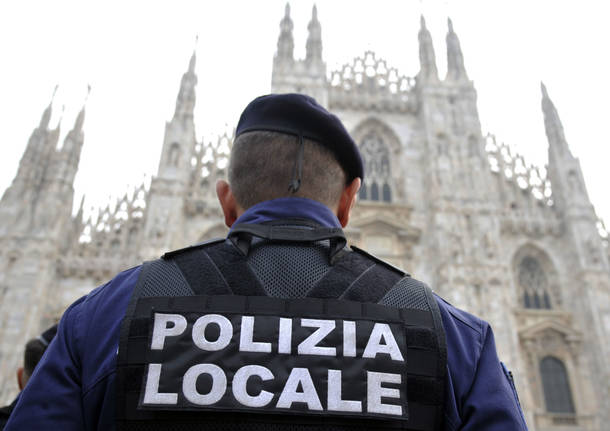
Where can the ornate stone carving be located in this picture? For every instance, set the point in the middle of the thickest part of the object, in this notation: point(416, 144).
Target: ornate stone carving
point(514, 168)
point(368, 83)
point(209, 163)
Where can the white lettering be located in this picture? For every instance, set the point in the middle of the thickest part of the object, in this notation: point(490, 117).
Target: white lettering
point(375, 392)
point(374, 346)
point(290, 395)
point(284, 344)
point(246, 337)
point(309, 346)
point(226, 332)
point(151, 393)
point(335, 403)
point(240, 381)
point(189, 384)
point(161, 330)
point(349, 339)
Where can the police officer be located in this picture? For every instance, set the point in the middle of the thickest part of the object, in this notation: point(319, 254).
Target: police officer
point(280, 325)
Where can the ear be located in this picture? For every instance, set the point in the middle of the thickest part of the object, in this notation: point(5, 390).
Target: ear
point(227, 202)
point(347, 201)
point(21, 381)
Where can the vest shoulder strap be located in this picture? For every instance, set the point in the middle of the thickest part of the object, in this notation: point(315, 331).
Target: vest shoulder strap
point(215, 267)
point(203, 244)
point(358, 276)
point(377, 260)
point(161, 278)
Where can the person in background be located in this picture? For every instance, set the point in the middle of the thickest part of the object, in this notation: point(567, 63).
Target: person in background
point(34, 349)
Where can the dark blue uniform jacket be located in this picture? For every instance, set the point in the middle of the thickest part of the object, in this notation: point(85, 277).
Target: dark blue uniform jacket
point(73, 386)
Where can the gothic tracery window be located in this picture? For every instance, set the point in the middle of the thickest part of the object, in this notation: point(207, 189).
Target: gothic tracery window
point(556, 386)
point(533, 283)
point(376, 186)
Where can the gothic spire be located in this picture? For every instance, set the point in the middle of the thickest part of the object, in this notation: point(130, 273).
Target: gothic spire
point(73, 144)
point(185, 103)
point(564, 171)
point(80, 119)
point(552, 124)
point(314, 40)
point(427, 59)
point(46, 115)
point(455, 59)
point(285, 43)
point(193, 59)
point(81, 210)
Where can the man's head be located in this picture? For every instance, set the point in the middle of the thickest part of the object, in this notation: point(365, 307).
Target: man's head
point(288, 145)
point(34, 349)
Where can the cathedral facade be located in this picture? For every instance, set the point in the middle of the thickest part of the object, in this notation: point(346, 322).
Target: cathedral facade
point(517, 245)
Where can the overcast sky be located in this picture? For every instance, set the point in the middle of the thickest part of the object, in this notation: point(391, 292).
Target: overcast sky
point(133, 53)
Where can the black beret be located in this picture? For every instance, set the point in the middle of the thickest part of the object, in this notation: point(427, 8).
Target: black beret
point(300, 115)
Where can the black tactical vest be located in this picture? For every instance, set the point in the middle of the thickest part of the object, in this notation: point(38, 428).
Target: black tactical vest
point(204, 347)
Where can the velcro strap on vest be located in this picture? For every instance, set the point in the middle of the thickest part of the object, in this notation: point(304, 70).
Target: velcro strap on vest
point(273, 232)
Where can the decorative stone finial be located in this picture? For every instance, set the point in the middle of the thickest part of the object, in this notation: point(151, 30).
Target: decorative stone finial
point(427, 58)
point(185, 102)
point(313, 49)
point(285, 42)
point(193, 59)
point(455, 59)
point(552, 124)
point(543, 89)
point(46, 115)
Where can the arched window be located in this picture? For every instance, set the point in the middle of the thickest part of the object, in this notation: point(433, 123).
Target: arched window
point(387, 193)
point(374, 191)
point(574, 181)
point(174, 154)
point(533, 283)
point(557, 394)
point(362, 195)
point(377, 169)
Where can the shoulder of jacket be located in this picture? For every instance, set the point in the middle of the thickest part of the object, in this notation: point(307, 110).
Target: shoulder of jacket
point(475, 323)
point(379, 261)
point(194, 247)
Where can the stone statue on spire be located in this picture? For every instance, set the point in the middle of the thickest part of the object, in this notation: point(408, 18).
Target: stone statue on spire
point(552, 124)
point(427, 59)
point(78, 124)
point(185, 103)
point(314, 40)
point(285, 43)
point(455, 59)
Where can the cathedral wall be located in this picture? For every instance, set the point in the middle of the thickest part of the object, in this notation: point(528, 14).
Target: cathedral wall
point(554, 329)
point(201, 228)
point(67, 291)
point(26, 284)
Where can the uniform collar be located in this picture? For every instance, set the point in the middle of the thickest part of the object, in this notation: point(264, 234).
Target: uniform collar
point(284, 208)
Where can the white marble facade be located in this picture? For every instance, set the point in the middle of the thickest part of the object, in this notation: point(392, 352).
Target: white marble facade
point(518, 245)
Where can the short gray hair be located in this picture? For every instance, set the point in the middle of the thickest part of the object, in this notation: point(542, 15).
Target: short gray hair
point(262, 164)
